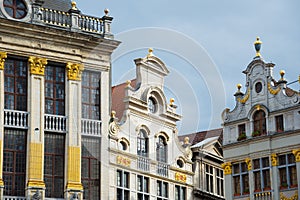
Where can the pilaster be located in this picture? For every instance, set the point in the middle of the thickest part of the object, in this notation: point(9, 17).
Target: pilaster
point(296, 152)
point(275, 175)
point(3, 56)
point(74, 189)
point(227, 167)
point(248, 161)
point(35, 153)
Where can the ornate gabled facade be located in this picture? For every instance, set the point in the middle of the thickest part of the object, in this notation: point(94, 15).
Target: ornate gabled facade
point(261, 137)
point(54, 63)
point(207, 163)
point(146, 159)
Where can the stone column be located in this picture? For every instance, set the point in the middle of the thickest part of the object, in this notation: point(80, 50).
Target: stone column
point(274, 172)
point(248, 161)
point(35, 153)
point(74, 187)
point(3, 55)
point(296, 152)
point(227, 167)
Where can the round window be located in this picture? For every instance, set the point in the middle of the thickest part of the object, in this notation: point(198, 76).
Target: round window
point(258, 87)
point(180, 163)
point(152, 105)
point(15, 8)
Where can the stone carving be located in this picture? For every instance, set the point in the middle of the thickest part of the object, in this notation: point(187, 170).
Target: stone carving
point(3, 55)
point(37, 65)
point(74, 71)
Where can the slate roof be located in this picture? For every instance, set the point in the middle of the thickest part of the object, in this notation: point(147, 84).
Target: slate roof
point(200, 136)
point(118, 94)
point(61, 5)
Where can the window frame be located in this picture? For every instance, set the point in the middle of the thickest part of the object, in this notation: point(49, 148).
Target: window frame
point(162, 190)
point(262, 175)
point(242, 177)
point(143, 187)
point(287, 167)
point(180, 192)
point(279, 123)
point(143, 143)
point(162, 149)
point(123, 185)
point(15, 9)
point(260, 122)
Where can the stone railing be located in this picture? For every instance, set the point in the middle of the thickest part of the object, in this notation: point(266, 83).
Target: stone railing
point(162, 169)
point(55, 123)
point(91, 127)
point(143, 163)
point(13, 198)
point(16, 119)
point(73, 20)
point(263, 196)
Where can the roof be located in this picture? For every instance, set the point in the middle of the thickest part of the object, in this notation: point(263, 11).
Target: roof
point(118, 94)
point(61, 5)
point(195, 138)
point(205, 141)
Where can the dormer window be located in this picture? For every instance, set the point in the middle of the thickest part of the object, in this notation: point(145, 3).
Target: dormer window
point(152, 105)
point(15, 8)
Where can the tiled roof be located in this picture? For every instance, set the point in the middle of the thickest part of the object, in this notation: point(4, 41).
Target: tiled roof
point(200, 136)
point(61, 5)
point(118, 94)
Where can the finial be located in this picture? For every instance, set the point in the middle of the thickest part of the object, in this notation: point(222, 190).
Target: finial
point(128, 82)
point(186, 140)
point(257, 45)
point(113, 114)
point(150, 52)
point(73, 3)
point(172, 100)
point(106, 11)
point(258, 107)
point(282, 73)
point(239, 86)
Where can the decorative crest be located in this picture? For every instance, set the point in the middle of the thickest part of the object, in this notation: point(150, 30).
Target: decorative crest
point(274, 159)
point(74, 71)
point(249, 164)
point(227, 168)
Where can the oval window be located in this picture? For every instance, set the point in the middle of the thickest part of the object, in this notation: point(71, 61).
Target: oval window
point(15, 8)
point(152, 105)
point(258, 87)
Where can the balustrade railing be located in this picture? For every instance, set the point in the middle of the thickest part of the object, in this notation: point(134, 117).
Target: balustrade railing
point(13, 198)
point(91, 127)
point(91, 24)
point(55, 123)
point(162, 169)
point(55, 17)
point(143, 164)
point(15, 118)
point(263, 196)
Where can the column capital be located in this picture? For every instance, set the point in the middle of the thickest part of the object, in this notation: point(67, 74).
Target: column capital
point(37, 65)
point(296, 153)
point(3, 55)
point(248, 161)
point(274, 161)
point(74, 71)
point(227, 168)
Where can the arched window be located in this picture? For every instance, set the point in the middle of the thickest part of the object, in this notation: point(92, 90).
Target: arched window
point(142, 143)
point(161, 150)
point(259, 122)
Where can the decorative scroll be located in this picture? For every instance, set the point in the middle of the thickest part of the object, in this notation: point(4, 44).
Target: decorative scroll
point(249, 163)
point(227, 168)
point(180, 177)
point(273, 91)
point(74, 71)
point(3, 55)
point(123, 161)
point(245, 98)
point(274, 159)
point(37, 65)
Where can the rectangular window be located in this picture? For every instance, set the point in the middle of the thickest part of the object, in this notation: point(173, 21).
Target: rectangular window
point(123, 185)
point(242, 129)
point(287, 171)
point(54, 154)
point(162, 190)
point(180, 192)
point(90, 165)
point(240, 179)
point(220, 182)
point(91, 95)
point(209, 178)
point(279, 123)
point(143, 188)
point(55, 90)
point(261, 172)
point(15, 84)
point(14, 162)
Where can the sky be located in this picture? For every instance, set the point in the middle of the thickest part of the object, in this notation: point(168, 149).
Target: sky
point(206, 44)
